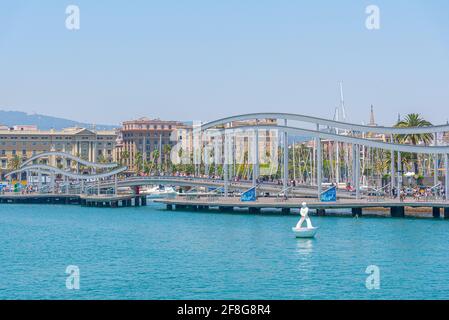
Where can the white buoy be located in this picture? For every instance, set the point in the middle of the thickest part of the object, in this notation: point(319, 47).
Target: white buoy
point(310, 230)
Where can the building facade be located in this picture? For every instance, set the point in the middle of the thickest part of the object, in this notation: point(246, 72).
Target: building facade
point(146, 140)
point(23, 142)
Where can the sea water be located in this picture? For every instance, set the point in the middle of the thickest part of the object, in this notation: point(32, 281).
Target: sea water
point(151, 253)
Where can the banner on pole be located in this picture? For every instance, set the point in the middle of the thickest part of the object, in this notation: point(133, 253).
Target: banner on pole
point(249, 195)
point(330, 195)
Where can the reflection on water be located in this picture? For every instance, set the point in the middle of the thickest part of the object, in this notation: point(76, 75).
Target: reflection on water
point(304, 250)
point(304, 246)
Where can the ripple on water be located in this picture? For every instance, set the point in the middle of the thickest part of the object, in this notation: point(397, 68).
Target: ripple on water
point(149, 253)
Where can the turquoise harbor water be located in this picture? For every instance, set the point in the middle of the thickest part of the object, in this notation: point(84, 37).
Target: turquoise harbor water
point(150, 253)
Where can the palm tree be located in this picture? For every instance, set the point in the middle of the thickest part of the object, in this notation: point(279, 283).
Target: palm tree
point(167, 151)
point(414, 120)
point(14, 163)
point(156, 159)
point(124, 157)
point(102, 159)
point(138, 162)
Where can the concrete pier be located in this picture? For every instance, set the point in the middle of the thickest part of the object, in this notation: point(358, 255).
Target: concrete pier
point(446, 213)
point(254, 210)
point(102, 201)
point(397, 212)
point(436, 212)
point(357, 212)
point(357, 208)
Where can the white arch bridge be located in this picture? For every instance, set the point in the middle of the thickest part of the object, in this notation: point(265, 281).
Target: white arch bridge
point(83, 175)
point(352, 137)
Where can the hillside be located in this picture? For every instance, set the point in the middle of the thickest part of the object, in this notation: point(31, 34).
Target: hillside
point(11, 118)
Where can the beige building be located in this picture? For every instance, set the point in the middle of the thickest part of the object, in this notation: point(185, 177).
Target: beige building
point(27, 141)
point(144, 136)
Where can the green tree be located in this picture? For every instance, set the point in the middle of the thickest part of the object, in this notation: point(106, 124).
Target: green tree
point(138, 162)
point(414, 120)
point(102, 159)
point(156, 155)
point(166, 151)
point(124, 157)
point(14, 163)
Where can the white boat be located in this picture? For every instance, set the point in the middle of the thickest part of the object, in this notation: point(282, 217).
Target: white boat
point(305, 232)
point(159, 192)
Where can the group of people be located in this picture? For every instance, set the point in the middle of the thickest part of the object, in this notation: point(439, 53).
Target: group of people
point(418, 193)
point(29, 189)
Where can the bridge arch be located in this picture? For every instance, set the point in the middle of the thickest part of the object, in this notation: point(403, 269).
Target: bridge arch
point(325, 122)
point(350, 131)
point(71, 157)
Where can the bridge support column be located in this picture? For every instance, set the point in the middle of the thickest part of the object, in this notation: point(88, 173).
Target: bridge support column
point(39, 181)
point(285, 178)
point(52, 183)
point(446, 178)
point(397, 212)
point(392, 173)
point(435, 161)
point(446, 213)
point(353, 165)
point(225, 165)
point(256, 157)
point(357, 212)
point(436, 212)
point(319, 165)
point(357, 171)
point(254, 210)
point(399, 186)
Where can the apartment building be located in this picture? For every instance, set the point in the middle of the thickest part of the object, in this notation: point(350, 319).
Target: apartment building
point(140, 139)
point(24, 142)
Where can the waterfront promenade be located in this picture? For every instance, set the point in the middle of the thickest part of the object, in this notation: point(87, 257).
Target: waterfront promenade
point(396, 208)
point(110, 201)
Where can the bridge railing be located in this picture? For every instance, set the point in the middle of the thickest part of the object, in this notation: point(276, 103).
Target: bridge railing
point(378, 194)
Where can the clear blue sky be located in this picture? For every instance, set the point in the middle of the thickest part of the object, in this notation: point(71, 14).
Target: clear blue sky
point(199, 60)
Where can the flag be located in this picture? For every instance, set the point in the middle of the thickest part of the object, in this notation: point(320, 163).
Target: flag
point(329, 195)
point(249, 195)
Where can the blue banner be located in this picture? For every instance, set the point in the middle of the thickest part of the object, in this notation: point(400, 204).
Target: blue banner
point(249, 195)
point(330, 195)
point(217, 190)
